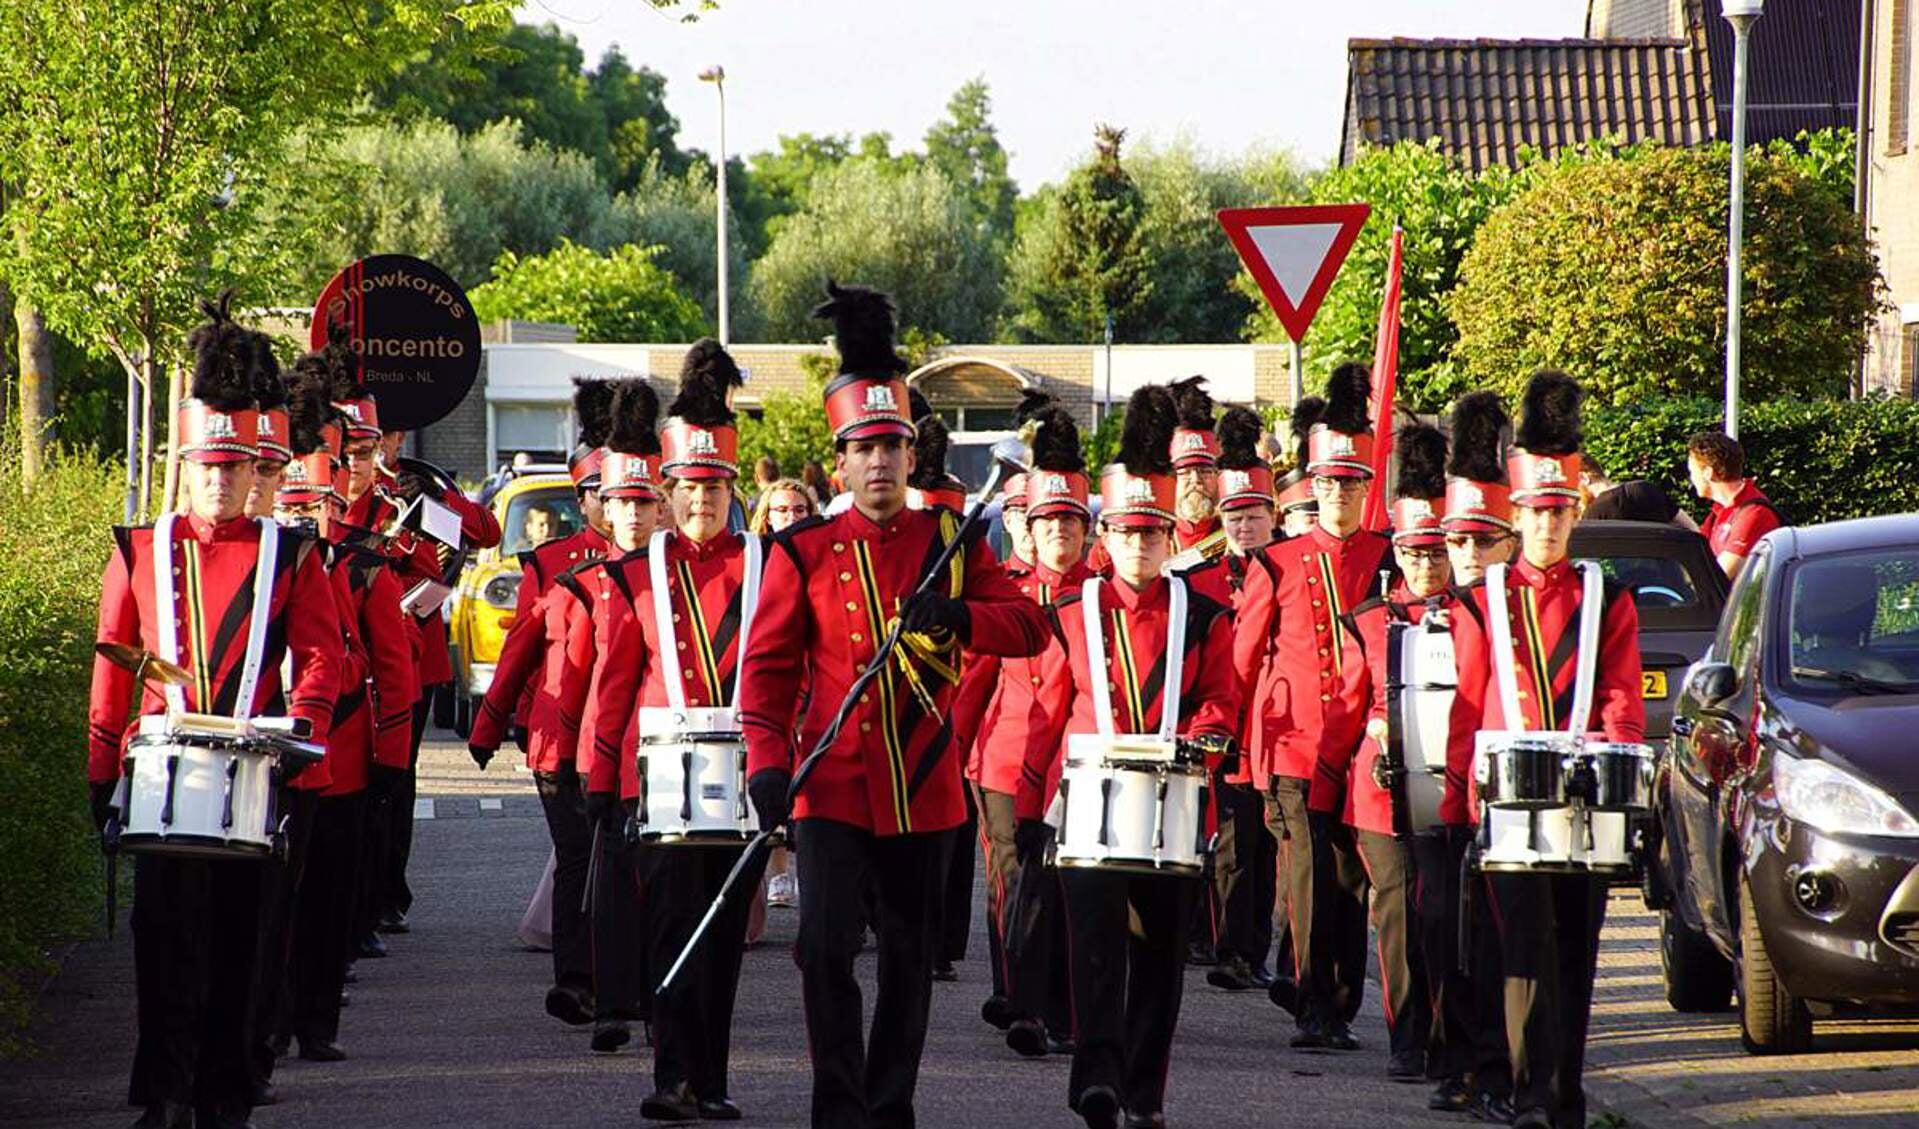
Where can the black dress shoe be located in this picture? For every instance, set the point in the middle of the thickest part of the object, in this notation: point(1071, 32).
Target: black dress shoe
point(1492, 1107)
point(279, 1045)
point(1310, 1036)
point(1262, 976)
point(999, 1012)
point(1340, 1037)
point(1533, 1119)
point(677, 1104)
point(1284, 992)
point(394, 922)
point(1200, 953)
point(166, 1115)
point(1145, 1121)
point(351, 977)
point(609, 1035)
point(371, 947)
point(944, 972)
point(570, 1006)
point(1028, 1038)
point(1099, 1107)
point(719, 1109)
point(263, 1094)
point(321, 1050)
point(1406, 1066)
point(1231, 973)
point(1452, 1096)
point(1060, 1044)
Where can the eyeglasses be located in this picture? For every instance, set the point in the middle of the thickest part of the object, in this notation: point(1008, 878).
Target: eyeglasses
point(1424, 556)
point(1327, 484)
point(1476, 540)
point(790, 511)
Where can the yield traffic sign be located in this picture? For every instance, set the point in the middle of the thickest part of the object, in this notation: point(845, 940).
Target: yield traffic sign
point(1294, 253)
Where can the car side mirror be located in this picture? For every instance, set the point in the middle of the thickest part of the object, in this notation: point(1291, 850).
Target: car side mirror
point(1711, 684)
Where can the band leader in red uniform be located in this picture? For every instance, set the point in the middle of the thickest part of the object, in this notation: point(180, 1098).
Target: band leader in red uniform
point(875, 817)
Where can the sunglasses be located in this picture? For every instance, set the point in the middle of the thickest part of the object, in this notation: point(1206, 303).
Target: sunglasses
point(1327, 484)
point(1425, 556)
point(1478, 540)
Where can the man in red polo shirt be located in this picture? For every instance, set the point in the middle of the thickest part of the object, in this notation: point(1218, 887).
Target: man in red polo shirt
point(1741, 515)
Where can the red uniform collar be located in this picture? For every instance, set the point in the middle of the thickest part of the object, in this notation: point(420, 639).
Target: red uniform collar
point(864, 526)
point(1326, 541)
point(241, 528)
point(1074, 575)
point(685, 548)
point(1151, 598)
point(1190, 532)
point(1535, 577)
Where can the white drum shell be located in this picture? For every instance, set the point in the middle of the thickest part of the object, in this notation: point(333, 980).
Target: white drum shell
point(1428, 676)
point(1143, 831)
point(1562, 840)
point(714, 809)
point(204, 777)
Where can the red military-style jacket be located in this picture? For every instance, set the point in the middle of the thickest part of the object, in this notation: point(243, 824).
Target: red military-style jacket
point(213, 599)
point(421, 561)
point(705, 582)
point(547, 660)
point(1544, 608)
point(979, 681)
point(373, 717)
point(1135, 627)
point(1287, 652)
point(832, 587)
point(1343, 780)
point(1223, 580)
point(1014, 711)
point(540, 569)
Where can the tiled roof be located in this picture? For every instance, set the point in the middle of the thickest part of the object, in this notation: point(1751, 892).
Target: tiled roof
point(1486, 98)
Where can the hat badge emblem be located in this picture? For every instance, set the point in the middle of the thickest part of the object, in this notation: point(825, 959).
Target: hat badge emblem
point(1233, 481)
point(1419, 509)
point(1342, 443)
point(1053, 484)
point(701, 442)
point(296, 472)
point(879, 398)
point(266, 426)
point(1139, 490)
point(219, 425)
point(1549, 472)
point(1472, 497)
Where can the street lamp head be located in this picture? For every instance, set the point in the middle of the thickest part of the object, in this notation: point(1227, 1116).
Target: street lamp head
point(717, 73)
point(1747, 10)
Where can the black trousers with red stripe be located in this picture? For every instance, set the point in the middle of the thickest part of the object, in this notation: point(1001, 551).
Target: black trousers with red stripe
point(693, 1023)
point(1549, 940)
point(1038, 972)
point(1245, 871)
point(956, 900)
point(1402, 975)
point(1436, 861)
point(1127, 934)
point(621, 990)
point(996, 827)
point(280, 881)
point(572, 835)
point(323, 936)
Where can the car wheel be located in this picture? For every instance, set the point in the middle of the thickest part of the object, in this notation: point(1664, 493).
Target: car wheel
point(1772, 1021)
point(443, 703)
point(462, 716)
point(1698, 979)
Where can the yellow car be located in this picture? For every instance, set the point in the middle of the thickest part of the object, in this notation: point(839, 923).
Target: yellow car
point(533, 504)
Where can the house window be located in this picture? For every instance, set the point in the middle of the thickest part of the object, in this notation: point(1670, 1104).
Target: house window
point(544, 432)
point(989, 419)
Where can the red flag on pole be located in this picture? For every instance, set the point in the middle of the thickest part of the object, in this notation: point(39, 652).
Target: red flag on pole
point(1385, 380)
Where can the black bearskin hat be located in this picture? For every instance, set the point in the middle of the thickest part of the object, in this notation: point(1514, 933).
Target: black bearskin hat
point(1550, 423)
point(593, 408)
point(269, 387)
point(1349, 394)
point(632, 416)
point(1239, 431)
point(1422, 462)
point(1145, 439)
point(706, 376)
point(222, 359)
point(1310, 411)
point(1056, 441)
point(864, 325)
point(929, 455)
point(309, 405)
point(1479, 424)
point(1194, 403)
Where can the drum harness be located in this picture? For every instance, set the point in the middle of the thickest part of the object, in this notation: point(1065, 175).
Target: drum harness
point(1093, 620)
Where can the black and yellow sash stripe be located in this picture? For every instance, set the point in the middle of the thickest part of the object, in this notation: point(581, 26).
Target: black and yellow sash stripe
point(1128, 673)
point(1329, 580)
point(1536, 658)
point(709, 663)
point(196, 640)
point(889, 688)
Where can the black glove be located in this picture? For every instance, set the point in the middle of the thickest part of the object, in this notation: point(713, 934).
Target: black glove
point(930, 611)
point(410, 485)
point(480, 754)
point(518, 733)
point(385, 782)
point(100, 800)
point(1385, 776)
point(601, 807)
point(1030, 840)
point(768, 791)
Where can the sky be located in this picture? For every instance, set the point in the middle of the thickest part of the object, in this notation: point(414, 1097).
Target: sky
point(1227, 75)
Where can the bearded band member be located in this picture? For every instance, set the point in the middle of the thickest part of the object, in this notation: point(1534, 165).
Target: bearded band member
point(166, 590)
point(876, 817)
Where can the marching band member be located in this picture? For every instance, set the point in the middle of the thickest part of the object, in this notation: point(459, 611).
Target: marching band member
point(1197, 536)
point(1291, 658)
point(1127, 979)
point(166, 590)
point(1019, 535)
point(1357, 767)
point(681, 612)
point(1025, 913)
point(1245, 854)
point(547, 660)
point(1467, 1047)
point(876, 817)
point(270, 393)
point(1548, 923)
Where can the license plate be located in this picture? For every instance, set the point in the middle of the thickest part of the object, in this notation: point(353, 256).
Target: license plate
point(1652, 684)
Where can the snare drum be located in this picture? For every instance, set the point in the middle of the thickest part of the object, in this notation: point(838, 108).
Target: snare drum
point(1608, 845)
point(1522, 771)
point(1427, 680)
point(1140, 813)
point(1621, 776)
point(692, 771)
point(193, 793)
point(1531, 841)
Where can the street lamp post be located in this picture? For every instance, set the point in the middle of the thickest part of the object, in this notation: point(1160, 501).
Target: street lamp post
point(716, 75)
point(1740, 14)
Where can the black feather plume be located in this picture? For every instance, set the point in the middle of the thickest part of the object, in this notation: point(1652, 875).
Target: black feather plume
point(1479, 429)
point(340, 359)
point(917, 404)
point(1056, 442)
point(1195, 404)
point(706, 376)
point(593, 409)
point(633, 416)
point(1033, 402)
point(864, 325)
point(1239, 432)
point(1550, 422)
point(1309, 412)
point(929, 455)
point(1349, 394)
point(1422, 462)
point(1145, 439)
point(269, 387)
point(222, 358)
point(309, 405)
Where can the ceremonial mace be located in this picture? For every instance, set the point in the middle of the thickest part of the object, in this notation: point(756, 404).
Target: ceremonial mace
point(1006, 457)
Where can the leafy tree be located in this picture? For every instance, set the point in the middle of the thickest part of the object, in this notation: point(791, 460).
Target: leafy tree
point(791, 427)
point(778, 183)
point(902, 230)
point(676, 214)
point(1083, 257)
point(965, 146)
point(1614, 269)
point(619, 296)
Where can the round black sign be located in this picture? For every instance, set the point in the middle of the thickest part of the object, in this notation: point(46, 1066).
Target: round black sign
point(413, 331)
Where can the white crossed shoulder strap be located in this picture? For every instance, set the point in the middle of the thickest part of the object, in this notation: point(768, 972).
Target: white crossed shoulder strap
point(164, 601)
point(1500, 629)
point(1093, 620)
point(669, 656)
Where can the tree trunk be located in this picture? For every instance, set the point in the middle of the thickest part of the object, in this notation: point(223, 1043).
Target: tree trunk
point(36, 387)
point(170, 488)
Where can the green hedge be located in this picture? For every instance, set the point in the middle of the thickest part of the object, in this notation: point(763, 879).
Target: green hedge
point(54, 542)
point(1819, 460)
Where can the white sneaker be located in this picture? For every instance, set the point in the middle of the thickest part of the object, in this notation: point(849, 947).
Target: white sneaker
point(782, 891)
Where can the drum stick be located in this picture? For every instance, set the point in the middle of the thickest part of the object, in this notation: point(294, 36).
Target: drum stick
point(1001, 461)
point(592, 867)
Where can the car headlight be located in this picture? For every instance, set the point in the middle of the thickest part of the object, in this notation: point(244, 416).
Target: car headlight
point(1831, 799)
point(502, 591)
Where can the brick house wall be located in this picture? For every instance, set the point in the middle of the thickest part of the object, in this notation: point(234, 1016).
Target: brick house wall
point(1893, 202)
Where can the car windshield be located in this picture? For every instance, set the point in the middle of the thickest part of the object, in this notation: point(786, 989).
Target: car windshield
point(1655, 582)
point(538, 516)
point(1855, 623)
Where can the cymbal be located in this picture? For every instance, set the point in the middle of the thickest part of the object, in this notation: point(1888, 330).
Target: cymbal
point(145, 665)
